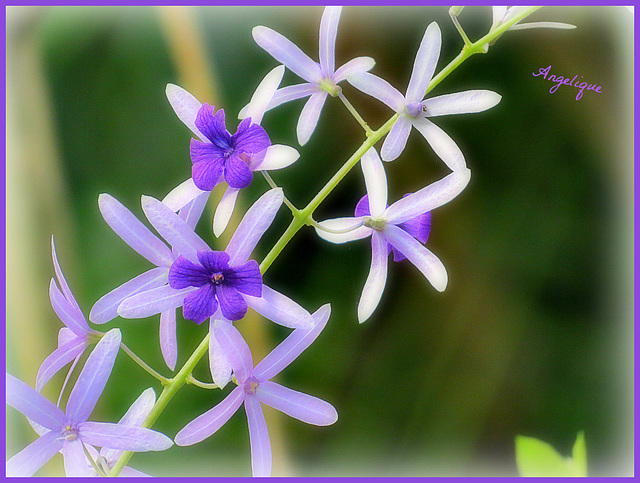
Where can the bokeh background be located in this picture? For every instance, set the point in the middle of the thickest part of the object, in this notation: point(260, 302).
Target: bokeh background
point(534, 334)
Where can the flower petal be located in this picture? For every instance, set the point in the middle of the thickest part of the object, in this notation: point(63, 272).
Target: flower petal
point(34, 456)
point(328, 33)
point(184, 273)
point(218, 363)
point(133, 232)
point(152, 302)
point(279, 309)
point(237, 173)
point(297, 404)
point(235, 349)
point(291, 93)
point(425, 261)
point(263, 95)
point(425, 63)
point(232, 304)
point(358, 232)
point(309, 116)
point(60, 276)
point(287, 53)
point(258, 438)
point(290, 348)
point(75, 461)
point(245, 278)
point(213, 261)
point(208, 165)
point(441, 143)
point(376, 280)
point(186, 107)
point(212, 125)
point(461, 103)
point(396, 140)
point(168, 340)
point(378, 88)
point(277, 156)
point(68, 313)
point(33, 404)
point(250, 138)
point(200, 304)
point(119, 436)
point(224, 210)
point(182, 195)
point(58, 359)
point(354, 66)
point(538, 25)
point(430, 197)
point(375, 180)
point(192, 211)
point(208, 423)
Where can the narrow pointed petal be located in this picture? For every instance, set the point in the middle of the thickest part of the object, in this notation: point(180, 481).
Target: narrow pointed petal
point(255, 222)
point(290, 348)
point(461, 103)
point(186, 107)
point(133, 232)
point(60, 276)
point(425, 261)
point(140, 409)
point(127, 438)
point(354, 66)
point(396, 140)
point(376, 280)
point(512, 12)
point(106, 308)
point(152, 302)
point(32, 404)
point(237, 173)
point(58, 359)
point(224, 210)
point(258, 438)
point(232, 303)
point(296, 404)
point(263, 95)
point(192, 211)
point(280, 309)
point(291, 93)
point(537, 25)
point(309, 116)
point(235, 349)
point(432, 196)
point(68, 313)
point(173, 229)
point(375, 180)
point(425, 63)
point(219, 365)
point(359, 231)
point(328, 33)
point(94, 376)
point(208, 423)
point(182, 195)
point(168, 340)
point(34, 456)
point(287, 53)
point(378, 88)
point(499, 13)
point(441, 143)
point(75, 461)
point(277, 156)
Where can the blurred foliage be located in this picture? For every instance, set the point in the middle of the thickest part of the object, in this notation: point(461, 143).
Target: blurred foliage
point(537, 458)
point(532, 335)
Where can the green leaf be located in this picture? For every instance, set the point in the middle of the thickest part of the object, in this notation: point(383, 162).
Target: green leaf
point(537, 458)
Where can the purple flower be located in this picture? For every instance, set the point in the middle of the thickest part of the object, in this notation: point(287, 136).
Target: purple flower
point(414, 111)
point(75, 337)
point(322, 78)
point(403, 225)
point(69, 431)
point(247, 145)
point(255, 387)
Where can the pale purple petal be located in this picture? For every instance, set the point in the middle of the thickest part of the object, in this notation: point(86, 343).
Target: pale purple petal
point(277, 156)
point(192, 211)
point(425, 261)
point(396, 140)
point(432, 196)
point(66, 335)
point(499, 13)
point(376, 280)
point(68, 313)
point(140, 409)
point(512, 12)
point(128, 472)
point(291, 93)
point(461, 103)
point(218, 363)
point(354, 66)
point(58, 359)
point(34, 456)
point(182, 195)
point(200, 304)
point(60, 276)
point(186, 107)
point(33, 404)
point(235, 349)
point(309, 116)
point(338, 224)
point(279, 309)
point(290, 348)
point(133, 232)
point(258, 438)
point(106, 308)
point(537, 25)
point(425, 63)
point(255, 222)
point(328, 33)
point(263, 95)
point(75, 461)
point(118, 436)
point(441, 143)
point(378, 88)
point(297, 404)
point(152, 302)
point(168, 340)
point(375, 180)
point(94, 376)
point(208, 423)
point(224, 210)
point(287, 53)
point(173, 229)
point(232, 303)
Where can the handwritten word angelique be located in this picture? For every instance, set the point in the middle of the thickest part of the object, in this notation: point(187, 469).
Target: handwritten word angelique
point(545, 71)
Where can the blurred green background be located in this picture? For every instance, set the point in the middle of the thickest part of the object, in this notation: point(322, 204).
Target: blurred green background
point(534, 334)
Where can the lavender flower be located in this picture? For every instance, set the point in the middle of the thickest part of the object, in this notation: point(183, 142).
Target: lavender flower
point(414, 111)
point(396, 225)
point(70, 430)
point(220, 156)
point(503, 14)
point(322, 78)
point(255, 387)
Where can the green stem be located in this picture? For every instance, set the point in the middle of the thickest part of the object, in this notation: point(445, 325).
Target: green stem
point(463, 34)
point(144, 365)
point(355, 114)
point(203, 385)
point(272, 183)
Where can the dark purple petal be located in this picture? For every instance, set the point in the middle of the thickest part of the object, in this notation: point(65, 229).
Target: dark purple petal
point(362, 208)
point(200, 304)
point(208, 165)
point(184, 273)
point(212, 125)
point(232, 304)
point(245, 278)
point(250, 138)
point(33, 404)
point(237, 173)
point(31, 459)
point(214, 262)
